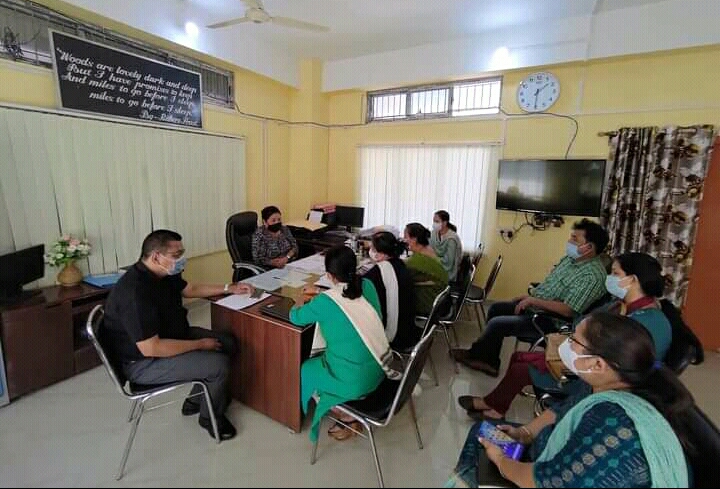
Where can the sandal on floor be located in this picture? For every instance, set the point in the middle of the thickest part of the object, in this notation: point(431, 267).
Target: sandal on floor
point(340, 432)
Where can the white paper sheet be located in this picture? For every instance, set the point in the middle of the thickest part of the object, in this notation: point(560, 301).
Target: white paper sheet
point(324, 282)
point(264, 281)
point(312, 264)
point(315, 216)
point(238, 302)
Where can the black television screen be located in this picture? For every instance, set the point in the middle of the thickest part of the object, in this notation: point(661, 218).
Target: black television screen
point(563, 187)
point(20, 268)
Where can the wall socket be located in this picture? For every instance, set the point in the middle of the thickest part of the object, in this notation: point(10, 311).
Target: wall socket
point(506, 233)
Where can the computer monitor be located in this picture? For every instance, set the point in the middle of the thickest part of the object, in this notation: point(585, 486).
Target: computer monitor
point(349, 217)
point(20, 268)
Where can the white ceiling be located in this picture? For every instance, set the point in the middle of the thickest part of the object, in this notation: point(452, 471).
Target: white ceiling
point(358, 28)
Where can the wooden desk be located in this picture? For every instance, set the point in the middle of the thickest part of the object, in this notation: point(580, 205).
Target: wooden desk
point(265, 374)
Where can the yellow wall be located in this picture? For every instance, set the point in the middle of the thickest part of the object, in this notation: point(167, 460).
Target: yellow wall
point(32, 86)
point(666, 88)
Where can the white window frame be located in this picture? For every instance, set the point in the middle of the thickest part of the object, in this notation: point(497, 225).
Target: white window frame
point(449, 112)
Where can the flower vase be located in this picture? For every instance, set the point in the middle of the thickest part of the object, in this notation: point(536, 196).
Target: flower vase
point(70, 275)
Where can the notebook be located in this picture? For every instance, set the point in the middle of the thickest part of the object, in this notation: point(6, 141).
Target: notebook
point(104, 280)
point(280, 309)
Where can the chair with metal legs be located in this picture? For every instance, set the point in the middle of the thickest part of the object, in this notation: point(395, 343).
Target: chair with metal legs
point(139, 395)
point(467, 272)
point(477, 296)
point(378, 408)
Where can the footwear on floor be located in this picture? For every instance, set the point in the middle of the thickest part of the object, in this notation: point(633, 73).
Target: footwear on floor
point(480, 366)
point(190, 407)
point(225, 427)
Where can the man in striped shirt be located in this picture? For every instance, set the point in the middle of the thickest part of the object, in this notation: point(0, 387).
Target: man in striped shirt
point(575, 283)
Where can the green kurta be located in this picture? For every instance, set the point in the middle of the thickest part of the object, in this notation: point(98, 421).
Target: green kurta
point(346, 370)
point(430, 279)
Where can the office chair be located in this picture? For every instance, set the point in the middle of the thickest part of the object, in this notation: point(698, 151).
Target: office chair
point(467, 274)
point(137, 393)
point(239, 229)
point(378, 408)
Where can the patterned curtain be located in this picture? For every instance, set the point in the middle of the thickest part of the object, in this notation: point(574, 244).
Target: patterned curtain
point(652, 201)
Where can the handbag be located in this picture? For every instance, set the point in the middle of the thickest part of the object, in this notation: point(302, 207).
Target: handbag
point(552, 354)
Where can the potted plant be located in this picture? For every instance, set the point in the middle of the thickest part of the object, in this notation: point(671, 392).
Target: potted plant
point(64, 252)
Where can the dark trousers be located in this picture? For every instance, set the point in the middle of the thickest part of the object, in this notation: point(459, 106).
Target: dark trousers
point(209, 366)
point(502, 323)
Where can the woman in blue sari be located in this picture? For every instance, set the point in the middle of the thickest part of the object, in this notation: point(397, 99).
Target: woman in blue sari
point(627, 433)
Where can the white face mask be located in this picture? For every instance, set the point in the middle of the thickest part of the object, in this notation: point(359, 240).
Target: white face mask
point(437, 226)
point(569, 357)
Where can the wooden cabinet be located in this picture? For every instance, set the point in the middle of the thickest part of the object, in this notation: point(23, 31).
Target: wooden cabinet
point(44, 340)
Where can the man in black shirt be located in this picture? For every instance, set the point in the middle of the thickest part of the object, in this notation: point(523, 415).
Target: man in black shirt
point(147, 331)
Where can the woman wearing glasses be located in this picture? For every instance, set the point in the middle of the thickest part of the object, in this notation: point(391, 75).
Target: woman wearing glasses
point(636, 283)
point(629, 432)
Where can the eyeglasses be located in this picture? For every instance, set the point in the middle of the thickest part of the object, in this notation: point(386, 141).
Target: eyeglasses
point(574, 340)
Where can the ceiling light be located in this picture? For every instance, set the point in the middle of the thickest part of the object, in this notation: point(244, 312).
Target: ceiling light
point(191, 29)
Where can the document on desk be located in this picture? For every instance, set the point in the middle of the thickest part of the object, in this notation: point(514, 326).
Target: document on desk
point(291, 278)
point(312, 264)
point(265, 281)
point(324, 282)
point(237, 302)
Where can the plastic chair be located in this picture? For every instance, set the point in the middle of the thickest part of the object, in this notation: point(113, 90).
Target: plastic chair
point(137, 393)
point(380, 407)
point(239, 229)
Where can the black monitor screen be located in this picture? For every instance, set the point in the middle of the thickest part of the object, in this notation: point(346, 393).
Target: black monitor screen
point(565, 187)
point(20, 268)
point(352, 217)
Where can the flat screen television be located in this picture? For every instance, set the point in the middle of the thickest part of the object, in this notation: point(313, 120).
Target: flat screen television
point(558, 187)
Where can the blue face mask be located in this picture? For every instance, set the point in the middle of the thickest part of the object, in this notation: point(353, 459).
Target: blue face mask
point(612, 284)
point(571, 249)
point(179, 266)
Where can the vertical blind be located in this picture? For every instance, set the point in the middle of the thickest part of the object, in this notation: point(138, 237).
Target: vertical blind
point(408, 183)
point(113, 183)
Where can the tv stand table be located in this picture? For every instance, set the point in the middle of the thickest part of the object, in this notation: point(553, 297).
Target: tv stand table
point(43, 337)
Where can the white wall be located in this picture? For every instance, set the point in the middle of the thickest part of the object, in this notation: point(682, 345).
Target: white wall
point(661, 26)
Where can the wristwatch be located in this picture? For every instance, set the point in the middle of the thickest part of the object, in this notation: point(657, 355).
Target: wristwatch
point(226, 289)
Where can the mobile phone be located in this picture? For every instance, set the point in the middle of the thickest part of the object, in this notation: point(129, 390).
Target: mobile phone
point(510, 447)
point(257, 293)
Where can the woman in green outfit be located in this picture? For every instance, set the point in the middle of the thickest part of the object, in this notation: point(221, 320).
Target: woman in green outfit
point(425, 268)
point(446, 243)
point(351, 334)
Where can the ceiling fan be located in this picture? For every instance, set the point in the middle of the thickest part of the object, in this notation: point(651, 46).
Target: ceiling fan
point(256, 13)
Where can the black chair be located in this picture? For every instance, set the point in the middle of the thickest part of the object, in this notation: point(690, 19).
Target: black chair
point(478, 295)
point(441, 303)
point(137, 393)
point(379, 407)
point(685, 348)
point(239, 229)
point(467, 275)
point(705, 437)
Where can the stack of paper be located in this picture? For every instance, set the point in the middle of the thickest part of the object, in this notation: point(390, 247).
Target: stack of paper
point(238, 302)
point(290, 277)
point(264, 281)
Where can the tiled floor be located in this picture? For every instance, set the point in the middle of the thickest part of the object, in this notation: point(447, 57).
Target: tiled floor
point(73, 434)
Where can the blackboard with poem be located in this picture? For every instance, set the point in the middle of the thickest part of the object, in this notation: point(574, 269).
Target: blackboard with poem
point(96, 78)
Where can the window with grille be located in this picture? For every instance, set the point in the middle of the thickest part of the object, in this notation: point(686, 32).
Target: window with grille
point(465, 98)
point(24, 37)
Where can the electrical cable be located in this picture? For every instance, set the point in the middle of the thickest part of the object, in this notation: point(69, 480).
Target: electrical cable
point(552, 114)
point(296, 123)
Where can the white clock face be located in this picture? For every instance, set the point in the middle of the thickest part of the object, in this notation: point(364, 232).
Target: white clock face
point(538, 92)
